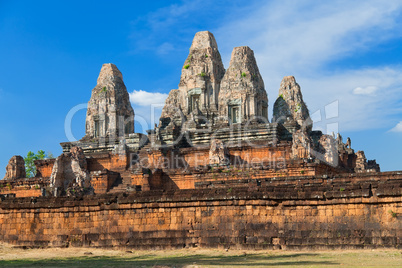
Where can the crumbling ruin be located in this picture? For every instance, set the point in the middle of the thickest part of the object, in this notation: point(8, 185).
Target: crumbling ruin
point(109, 112)
point(213, 149)
point(70, 174)
point(215, 117)
point(15, 168)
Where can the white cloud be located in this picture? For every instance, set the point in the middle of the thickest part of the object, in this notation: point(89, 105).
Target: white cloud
point(147, 108)
point(305, 34)
point(369, 90)
point(356, 112)
point(144, 98)
point(397, 128)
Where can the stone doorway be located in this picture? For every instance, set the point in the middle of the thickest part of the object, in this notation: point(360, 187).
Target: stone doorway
point(234, 114)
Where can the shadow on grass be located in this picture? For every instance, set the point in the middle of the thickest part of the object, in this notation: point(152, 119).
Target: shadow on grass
point(252, 260)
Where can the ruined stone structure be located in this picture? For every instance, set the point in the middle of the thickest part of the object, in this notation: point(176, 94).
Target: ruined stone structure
point(109, 112)
point(218, 154)
point(70, 174)
point(215, 172)
point(291, 213)
point(289, 106)
point(243, 96)
point(15, 168)
point(201, 76)
point(109, 123)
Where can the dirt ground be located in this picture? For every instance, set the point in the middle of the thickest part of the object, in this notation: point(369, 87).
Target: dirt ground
point(91, 257)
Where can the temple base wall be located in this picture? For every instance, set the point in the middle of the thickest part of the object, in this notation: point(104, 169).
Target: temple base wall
point(348, 214)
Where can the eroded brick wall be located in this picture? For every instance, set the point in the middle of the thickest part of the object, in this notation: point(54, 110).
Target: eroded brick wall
point(44, 168)
point(359, 214)
point(241, 156)
point(27, 187)
point(103, 180)
point(113, 162)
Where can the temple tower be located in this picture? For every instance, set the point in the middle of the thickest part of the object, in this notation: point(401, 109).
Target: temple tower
point(109, 112)
point(290, 107)
point(242, 94)
point(201, 76)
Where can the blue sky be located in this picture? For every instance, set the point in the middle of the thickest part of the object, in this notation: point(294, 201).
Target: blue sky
point(346, 56)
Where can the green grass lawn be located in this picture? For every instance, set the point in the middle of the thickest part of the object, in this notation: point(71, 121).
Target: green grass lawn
point(211, 258)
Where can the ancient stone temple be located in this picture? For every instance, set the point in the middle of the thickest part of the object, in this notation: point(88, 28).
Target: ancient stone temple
point(215, 172)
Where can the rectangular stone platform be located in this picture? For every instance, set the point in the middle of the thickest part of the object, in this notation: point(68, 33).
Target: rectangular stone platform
point(347, 213)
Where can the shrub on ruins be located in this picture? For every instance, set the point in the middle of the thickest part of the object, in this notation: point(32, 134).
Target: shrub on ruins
point(30, 167)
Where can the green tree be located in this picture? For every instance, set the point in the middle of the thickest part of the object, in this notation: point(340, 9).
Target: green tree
point(30, 167)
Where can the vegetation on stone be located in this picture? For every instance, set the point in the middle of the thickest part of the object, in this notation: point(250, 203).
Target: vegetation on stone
point(29, 159)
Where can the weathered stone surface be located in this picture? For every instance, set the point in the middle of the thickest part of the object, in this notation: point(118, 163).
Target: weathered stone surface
point(70, 174)
point(242, 93)
point(290, 104)
point(109, 111)
point(266, 174)
point(325, 148)
point(218, 154)
point(329, 150)
point(172, 104)
point(362, 165)
point(15, 168)
point(172, 112)
point(201, 75)
point(336, 213)
point(361, 161)
point(372, 166)
point(196, 100)
point(301, 145)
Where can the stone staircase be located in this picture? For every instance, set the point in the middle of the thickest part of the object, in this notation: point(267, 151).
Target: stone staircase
point(122, 184)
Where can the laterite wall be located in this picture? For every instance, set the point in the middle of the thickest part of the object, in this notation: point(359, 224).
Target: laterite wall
point(343, 214)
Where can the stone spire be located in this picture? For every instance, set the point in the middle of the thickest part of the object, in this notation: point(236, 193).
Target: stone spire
point(15, 168)
point(290, 105)
point(109, 111)
point(201, 75)
point(242, 93)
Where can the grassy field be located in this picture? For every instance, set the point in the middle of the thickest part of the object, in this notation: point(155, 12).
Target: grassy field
point(81, 257)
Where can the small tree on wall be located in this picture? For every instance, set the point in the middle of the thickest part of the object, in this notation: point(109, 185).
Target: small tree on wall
point(30, 167)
